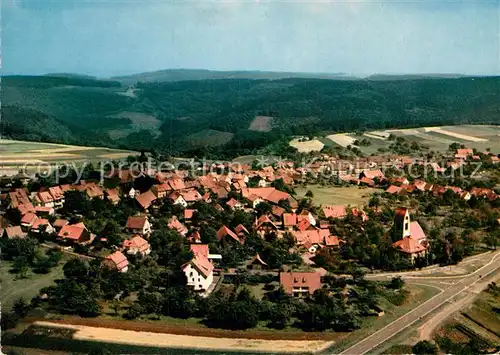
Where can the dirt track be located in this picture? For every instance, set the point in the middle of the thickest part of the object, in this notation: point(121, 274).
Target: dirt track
point(175, 341)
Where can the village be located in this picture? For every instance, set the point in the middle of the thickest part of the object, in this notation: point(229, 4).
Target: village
point(235, 224)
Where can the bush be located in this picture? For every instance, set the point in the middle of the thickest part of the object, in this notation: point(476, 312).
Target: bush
point(425, 347)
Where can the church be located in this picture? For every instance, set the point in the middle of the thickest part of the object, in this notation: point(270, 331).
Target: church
point(413, 241)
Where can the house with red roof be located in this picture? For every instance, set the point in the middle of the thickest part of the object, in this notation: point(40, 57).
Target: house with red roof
point(300, 284)
point(161, 190)
point(74, 233)
point(116, 261)
point(372, 174)
point(396, 190)
point(256, 263)
point(146, 199)
point(113, 196)
point(234, 204)
point(137, 245)
point(59, 223)
point(334, 211)
point(226, 234)
point(200, 270)
point(241, 231)
point(42, 225)
point(264, 226)
point(13, 232)
point(188, 214)
point(176, 225)
point(139, 225)
point(44, 198)
point(57, 194)
point(28, 220)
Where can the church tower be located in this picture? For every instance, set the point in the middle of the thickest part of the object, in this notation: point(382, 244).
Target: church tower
point(401, 226)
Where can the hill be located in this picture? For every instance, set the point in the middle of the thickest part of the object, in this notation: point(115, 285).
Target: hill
point(168, 75)
point(214, 116)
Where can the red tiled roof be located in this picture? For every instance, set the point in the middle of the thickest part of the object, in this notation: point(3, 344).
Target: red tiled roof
point(136, 222)
point(372, 174)
point(14, 232)
point(174, 223)
point(278, 211)
point(240, 229)
point(119, 259)
point(60, 222)
point(416, 231)
point(264, 219)
point(334, 211)
point(289, 219)
point(393, 189)
point(199, 250)
point(146, 199)
point(40, 222)
point(188, 213)
point(28, 218)
point(224, 231)
point(408, 245)
point(191, 196)
point(331, 240)
point(73, 232)
point(136, 242)
point(311, 280)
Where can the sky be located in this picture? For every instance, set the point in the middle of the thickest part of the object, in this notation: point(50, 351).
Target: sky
point(117, 37)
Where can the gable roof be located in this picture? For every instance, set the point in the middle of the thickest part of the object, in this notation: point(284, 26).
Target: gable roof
point(225, 231)
point(174, 223)
point(137, 222)
point(73, 232)
point(311, 280)
point(416, 231)
point(199, 250)
point(334, 211)
point(289, 219)
point(136, 242)
point(188, 213)
point(28, 218)
point(258, 260)
point(240, 229)
point(146, 199)
point(408, 245)
point(264, 219)
point(14, 232)
point(118, 259)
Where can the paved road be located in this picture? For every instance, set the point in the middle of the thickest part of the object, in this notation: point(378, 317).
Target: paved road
point(450, 287)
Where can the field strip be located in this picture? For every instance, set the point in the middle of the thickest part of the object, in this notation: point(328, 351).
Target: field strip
point(454, 134)
point(116, 155)
point(433, 138)
point(406, 132)
point(119, 336)
point(38, 156)
point(61, 150)
point(372, 135)
point(313, 145)
point(341, 139)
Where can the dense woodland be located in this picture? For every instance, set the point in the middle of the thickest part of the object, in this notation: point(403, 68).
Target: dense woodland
point(212, 117)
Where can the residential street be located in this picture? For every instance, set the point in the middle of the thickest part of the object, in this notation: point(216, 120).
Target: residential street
point(450, 287)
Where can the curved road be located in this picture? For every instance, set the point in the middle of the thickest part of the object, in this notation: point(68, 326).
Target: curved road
point(449, 289)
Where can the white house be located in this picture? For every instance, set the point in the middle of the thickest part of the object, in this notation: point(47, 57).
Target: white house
point(137, 245)
point(179, 200)
point(139, 225)
point(199, 273)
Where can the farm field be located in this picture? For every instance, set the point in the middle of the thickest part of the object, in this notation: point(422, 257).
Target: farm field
point(312, 145)
point(479, 137)
point(12, 289)
point(330, 195)
point(19, 153)
point(261, 124)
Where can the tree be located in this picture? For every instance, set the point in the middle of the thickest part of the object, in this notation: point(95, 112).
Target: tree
point(309, 194)
point(76, 269)
point(425, 347)
point(21, 307)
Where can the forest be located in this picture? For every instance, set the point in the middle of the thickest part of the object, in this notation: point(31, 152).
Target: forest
point(213, 117)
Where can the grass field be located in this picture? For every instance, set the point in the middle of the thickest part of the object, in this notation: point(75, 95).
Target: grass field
point(418, 295)
point(19, 153)
point(12, 289)
point(354, 196)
